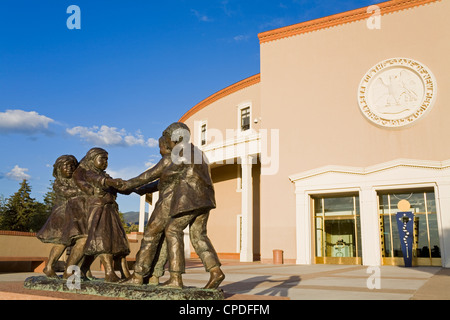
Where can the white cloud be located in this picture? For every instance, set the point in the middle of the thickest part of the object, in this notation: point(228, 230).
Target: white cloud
point(201, 17)
point(149, 164)
point(125, 173)
point(152, 142)
point(241, 37)
point(274, 23)
point(226, 9)
point(19, 121)
point(153, 159)
point(18, 174)
point(110, 136)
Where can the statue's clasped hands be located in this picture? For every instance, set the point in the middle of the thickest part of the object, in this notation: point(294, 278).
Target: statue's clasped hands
point(118, 184)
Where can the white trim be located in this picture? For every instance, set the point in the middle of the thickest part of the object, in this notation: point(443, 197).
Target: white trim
point(233, 148)
point(372, 169)
point(247, 209)
point(239, 179)
point(142, 206)
point(238, 232)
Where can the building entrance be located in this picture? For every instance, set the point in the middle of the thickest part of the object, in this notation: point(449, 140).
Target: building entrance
point(337, 229)
point(426, 247)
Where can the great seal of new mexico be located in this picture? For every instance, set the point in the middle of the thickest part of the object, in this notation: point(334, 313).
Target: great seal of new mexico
point(397, 92)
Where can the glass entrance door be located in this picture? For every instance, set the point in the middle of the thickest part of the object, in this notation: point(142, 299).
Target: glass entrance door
point(337, 229)
point(426, 247)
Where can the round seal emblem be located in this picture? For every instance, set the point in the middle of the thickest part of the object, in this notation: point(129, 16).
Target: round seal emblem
point(396, 92)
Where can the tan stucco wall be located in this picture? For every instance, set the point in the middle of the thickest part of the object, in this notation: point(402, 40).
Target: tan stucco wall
point(23, 246)
point(223, 220)
point(29, 246)
point(309, 88)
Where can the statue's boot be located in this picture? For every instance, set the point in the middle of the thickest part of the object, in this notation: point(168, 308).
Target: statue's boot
point(153, 281)
point(50, 273)
point(55, 254)
point(110, 274)
point(215, 279)
point(111, 277)
point(175, 281)
point(135, 280)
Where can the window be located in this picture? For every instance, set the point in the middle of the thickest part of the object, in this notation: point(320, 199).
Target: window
point(245, 119)
point(337, 229)
point(426, 246)
point(203, 134)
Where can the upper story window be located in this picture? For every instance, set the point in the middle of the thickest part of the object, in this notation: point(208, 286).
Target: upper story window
point(203, 134)
point(245, 119)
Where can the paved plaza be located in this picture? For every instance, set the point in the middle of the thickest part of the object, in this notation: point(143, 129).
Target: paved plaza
point(256, 281)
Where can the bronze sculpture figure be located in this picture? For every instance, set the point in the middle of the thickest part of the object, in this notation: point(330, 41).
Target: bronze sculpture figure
point(66, 224)
point(186, 197)
point(106, 236)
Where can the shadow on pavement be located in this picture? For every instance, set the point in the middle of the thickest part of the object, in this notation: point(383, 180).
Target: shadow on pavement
point(268, 286)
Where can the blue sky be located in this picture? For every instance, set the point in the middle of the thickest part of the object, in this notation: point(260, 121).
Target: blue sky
point(133, 68)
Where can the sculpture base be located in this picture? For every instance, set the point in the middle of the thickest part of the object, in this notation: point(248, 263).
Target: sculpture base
point(144, 292)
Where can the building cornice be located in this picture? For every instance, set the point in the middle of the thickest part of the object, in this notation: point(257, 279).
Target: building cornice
point(411, 163)
point(221, 94)
point(339, 19)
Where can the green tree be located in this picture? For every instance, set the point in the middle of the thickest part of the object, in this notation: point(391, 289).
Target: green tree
point(49, 198)
point(21, 212)
point(2, 210)
point(42, 210)
point(132, 228)
point(127, 226)
point(38, 217)
point(19, 209)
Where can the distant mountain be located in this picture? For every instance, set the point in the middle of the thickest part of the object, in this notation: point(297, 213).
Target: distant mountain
point(131, 217)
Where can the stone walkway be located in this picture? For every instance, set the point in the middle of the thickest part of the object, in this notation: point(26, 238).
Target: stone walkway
point(331, 282)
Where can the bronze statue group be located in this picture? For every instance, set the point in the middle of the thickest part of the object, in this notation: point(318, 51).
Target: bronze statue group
point(85, 215)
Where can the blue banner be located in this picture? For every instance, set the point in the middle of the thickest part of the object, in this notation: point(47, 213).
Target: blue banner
point(405, 223)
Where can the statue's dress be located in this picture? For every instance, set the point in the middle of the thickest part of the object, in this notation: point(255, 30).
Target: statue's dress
point(67, 221)
point(105, 231)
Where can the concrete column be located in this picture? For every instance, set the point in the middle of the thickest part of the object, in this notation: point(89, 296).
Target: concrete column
point(370, 227)
point(142, 213)
point(187, 243)
point(155, 197)
point(303, 230)
point(442, 195)
point(247, 209)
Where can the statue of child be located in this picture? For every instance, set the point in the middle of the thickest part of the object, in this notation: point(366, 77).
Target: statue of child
point(106, 236)
point(67, 222)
